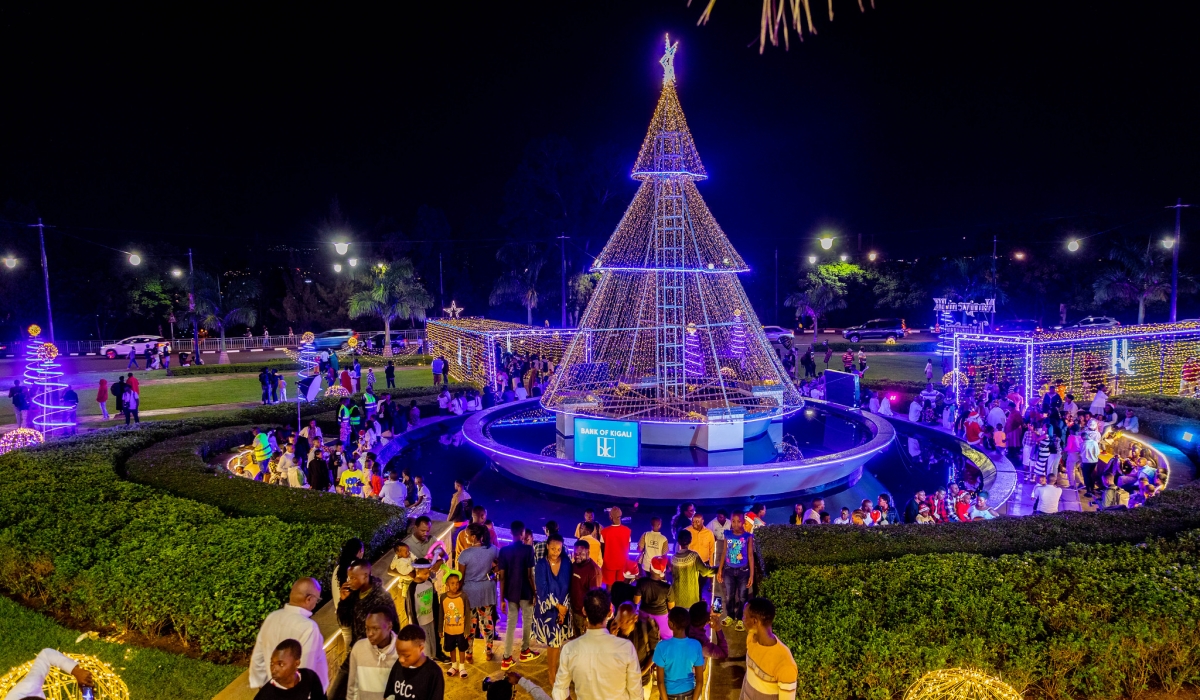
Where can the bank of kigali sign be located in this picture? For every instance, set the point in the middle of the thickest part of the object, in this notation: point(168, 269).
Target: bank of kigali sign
point(608, 442)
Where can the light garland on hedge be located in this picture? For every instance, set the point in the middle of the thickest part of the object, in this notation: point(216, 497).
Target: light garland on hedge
point(19, 438)
point(668, 268)
point(107, 685)
point(960, 684)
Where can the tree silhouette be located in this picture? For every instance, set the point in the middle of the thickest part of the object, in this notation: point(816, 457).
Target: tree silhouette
point(220, 306)
point(393, 291)
point(1135, 276)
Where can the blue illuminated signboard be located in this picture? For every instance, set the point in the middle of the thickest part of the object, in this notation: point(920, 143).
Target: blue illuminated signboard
point(608, 442)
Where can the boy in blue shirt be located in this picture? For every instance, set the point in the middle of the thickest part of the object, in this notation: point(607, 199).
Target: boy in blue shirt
point(679, 661)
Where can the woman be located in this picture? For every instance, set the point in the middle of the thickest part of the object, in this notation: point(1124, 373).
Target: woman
point(888, 515)
point(552, 624)
point(476, 563)
point(353, 549)
point(797, 516)
point(102, 398)
point(346, 382)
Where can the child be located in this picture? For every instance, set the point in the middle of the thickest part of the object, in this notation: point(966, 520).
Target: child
point(414, 675)
point(770, 669)
point(424, 608)
point(1000, 438)
point(454, 621)
point(652, 544)
point(288, 680)
point(402, 568)
point(679, 660)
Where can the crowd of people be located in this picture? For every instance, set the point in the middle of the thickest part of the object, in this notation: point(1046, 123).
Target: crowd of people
point(615, 617)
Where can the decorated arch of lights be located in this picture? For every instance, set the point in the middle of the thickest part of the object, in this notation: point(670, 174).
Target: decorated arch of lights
point(1158, 358)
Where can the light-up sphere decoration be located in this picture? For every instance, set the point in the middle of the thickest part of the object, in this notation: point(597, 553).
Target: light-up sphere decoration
point(34, 330)
point(960, 684)
point(954, 376)
point(52, 415)
point(890, 341)
point(352, 342)
point(337, 391)
point(19, 438)
point(307, 338)
point(62, 686)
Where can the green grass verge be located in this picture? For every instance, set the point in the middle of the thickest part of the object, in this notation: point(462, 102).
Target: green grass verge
point(149, 673)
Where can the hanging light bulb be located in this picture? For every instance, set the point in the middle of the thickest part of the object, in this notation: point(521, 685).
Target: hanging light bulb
point(135, 259)
point(341, 247)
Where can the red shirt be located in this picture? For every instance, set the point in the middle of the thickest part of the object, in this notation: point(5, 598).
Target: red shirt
point(584, 577)
point(133, 382)
point(973, 430)
point(616, 546)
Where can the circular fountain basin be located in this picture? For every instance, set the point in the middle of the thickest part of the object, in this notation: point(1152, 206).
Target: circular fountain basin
point(820, 448)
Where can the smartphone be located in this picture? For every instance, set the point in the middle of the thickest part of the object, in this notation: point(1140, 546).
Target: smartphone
point(717, 605)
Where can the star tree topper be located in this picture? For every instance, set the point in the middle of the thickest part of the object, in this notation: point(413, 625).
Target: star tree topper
point(454, 310)
point(668, 61)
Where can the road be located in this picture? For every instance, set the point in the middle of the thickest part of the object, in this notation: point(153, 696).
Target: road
point(72, 366)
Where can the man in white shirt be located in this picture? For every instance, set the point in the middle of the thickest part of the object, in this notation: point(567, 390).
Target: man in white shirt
point(720, 525)
point(372, 658)
point(814, 513)
point(292, 621)
point(914, 410)
point(392, 492)
point(31, 685)
point(603, 667)
point(1046, 496)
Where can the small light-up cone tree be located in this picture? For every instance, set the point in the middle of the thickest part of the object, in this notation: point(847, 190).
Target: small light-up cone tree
point(661, 338)
point(392, 292)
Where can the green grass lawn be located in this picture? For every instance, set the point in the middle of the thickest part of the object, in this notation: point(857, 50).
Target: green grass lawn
point(149, 673)
point(901, 366)
point(219, 389)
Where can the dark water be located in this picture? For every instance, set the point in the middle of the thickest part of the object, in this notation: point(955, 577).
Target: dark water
point(446, 457)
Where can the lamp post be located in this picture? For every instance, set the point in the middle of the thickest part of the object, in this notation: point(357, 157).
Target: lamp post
point(1174, 260)
point(45, 275)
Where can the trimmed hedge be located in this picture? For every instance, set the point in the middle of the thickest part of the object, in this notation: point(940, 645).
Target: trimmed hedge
point(180, 466)
point(1095, 621)
point(281, 363)
point(1177, 406)
point(77, 539)
point(1173, 511)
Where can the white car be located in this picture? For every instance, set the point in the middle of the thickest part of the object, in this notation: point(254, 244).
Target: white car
point(138, 343)
point(1097, 322)
point(774, 333)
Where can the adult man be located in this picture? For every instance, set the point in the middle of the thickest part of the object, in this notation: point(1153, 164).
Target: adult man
point(771, 671)
point(616, 548)
point(1046, 496)
point(516, 585)
point(689, 572)
point(603, 667)
point(585, 575)
point(736, 568)
point(704, 544)
point(264, 379)
point(1129, 423)
point(720, 525)
point(437, 365)
point(262, 453)
point(20, 402)
point(539, 547)
point(292, 621)
point(31, 685)
point(913, 506)
point(131, 401)
point(392, 492)
point(813, 513)
point(132, 358)
point(361, 595)
point(420, 542)
point(372, 658)
point(643, 635)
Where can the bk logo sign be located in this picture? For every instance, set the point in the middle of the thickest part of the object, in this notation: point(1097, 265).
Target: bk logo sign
point(606, 447)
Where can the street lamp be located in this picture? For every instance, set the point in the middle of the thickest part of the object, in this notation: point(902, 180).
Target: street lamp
point(1168, 243)
point(337, 267)
point(135, 259)
point(826, 242)
point(844, 257)
point(872, 255)
point(10, 262)
point(341, 247)
point(812, 260)
point(1073, 246)
point(353, 262)
point(177, 272)
point(1019, 255)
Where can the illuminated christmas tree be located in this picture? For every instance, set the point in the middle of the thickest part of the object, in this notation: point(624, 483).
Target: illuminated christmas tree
point(669, 334)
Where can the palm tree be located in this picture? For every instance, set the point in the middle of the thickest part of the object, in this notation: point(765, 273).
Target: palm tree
point(520, 282)
point(217, 309)
point(393, 292)
point(822, 290)
point(1134, 276)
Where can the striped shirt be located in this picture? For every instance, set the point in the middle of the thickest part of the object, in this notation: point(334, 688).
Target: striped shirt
point(771, 672)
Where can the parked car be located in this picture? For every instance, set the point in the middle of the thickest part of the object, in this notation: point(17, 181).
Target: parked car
point(7, 349)
point(774, 333)
point(138, 343)
point(375, 341)
point(331, 339)
point(1097, 322)
point(1019, 325)
point(884, 328)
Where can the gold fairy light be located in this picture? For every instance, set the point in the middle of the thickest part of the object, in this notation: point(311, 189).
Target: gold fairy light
point(960, 684)
point(307, 338)
point(107, 685)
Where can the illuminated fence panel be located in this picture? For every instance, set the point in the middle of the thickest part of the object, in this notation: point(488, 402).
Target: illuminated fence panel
point(474, 347)
point(1152, 358)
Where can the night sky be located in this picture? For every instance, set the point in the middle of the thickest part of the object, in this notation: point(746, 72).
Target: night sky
point(926, 127)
